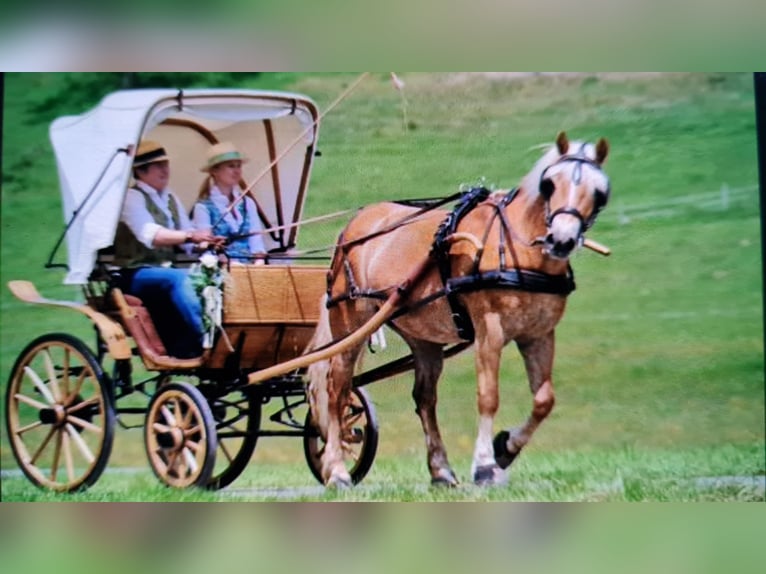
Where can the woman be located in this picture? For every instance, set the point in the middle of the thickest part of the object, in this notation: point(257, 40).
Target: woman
point(213, 211)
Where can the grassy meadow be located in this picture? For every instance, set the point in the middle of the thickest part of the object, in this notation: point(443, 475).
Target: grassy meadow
point(659, 369)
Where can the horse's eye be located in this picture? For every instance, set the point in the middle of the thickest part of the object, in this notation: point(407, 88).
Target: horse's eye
point(600, 199)
point(546, 188)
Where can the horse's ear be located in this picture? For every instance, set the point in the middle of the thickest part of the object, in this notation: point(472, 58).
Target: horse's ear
point(562, 142)
point(602, 150)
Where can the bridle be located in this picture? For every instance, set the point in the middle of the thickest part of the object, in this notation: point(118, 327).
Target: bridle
point(579, 159)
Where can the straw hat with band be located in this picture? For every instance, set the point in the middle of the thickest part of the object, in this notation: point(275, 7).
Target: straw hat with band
point(221, 152)
point(149, 152)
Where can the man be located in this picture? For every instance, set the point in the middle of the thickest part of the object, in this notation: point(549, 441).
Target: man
point(153, 228)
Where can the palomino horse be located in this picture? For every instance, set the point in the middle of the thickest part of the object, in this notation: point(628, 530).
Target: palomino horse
point(494, 270)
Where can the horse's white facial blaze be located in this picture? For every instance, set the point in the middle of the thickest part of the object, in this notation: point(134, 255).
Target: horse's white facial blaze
point(575, 189)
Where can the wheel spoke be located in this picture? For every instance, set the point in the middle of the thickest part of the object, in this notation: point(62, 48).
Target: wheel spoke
point(68, 456)
point(41, 386)
point(177, 412)
point(350, 452)
point(51, 370)
point(179, 465)
point(83, 424)
point(80, 443)
point(65, 374)
point(187, 417)
point(56, 455)
point(161, 461)
point(192, 445)
point(29, 427)
point(42, 446)
point(82, 404)
point(172, 465)
point(225, 451)
point(30, 401)
point(168, 416)
point(159, 427)
point(77, 387)
point(352, 420)
point(191, 462)
point(354, 414)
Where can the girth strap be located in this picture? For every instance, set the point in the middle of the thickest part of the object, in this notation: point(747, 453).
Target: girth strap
point(521, 279)
point(440, 252)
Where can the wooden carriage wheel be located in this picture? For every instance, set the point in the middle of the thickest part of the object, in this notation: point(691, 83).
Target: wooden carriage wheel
point(360, 438)
point(238, 421)
point(179, 436)
point(59, 414)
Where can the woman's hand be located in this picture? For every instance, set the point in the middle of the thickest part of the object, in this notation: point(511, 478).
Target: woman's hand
point(204, 239)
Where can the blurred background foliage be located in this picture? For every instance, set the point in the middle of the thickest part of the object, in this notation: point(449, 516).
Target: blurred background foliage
point(83, 89)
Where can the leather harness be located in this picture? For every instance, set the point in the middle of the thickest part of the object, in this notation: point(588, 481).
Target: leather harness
point(504, 277)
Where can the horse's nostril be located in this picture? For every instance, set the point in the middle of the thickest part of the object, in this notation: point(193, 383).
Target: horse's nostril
point(562, 246)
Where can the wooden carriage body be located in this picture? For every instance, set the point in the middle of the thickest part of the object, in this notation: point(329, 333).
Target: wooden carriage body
point(203, 415)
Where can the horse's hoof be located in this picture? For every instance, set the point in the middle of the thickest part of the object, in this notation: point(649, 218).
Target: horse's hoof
point(339, 483)
point(490, 475)
point(445, 479)
point(503, 457)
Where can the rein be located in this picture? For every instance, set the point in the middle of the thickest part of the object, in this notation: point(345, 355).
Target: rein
point(426, 206)
point(343, 247)
point(501, 278)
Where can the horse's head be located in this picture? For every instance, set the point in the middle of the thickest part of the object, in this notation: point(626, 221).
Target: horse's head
point(574, 188)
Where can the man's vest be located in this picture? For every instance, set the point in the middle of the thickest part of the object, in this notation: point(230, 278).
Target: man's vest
point(130, 252)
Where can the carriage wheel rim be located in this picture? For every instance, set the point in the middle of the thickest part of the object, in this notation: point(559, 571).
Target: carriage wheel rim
point(179, 437)
point(237, 427)
point(58, 416)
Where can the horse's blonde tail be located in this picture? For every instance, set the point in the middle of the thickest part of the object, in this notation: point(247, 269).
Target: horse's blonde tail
point(319, 372)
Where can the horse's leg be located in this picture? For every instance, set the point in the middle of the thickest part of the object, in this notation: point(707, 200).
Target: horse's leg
point(489, 345)
point(538, 359)
point(341, 370)
point(428, 367)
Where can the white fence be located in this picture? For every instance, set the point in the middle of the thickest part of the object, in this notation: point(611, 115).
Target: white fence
point(720, 200)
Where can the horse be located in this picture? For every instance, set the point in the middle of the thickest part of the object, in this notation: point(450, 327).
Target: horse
point(494, 270)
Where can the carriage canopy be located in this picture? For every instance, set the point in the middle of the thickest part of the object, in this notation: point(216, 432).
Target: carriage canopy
point(94, 154)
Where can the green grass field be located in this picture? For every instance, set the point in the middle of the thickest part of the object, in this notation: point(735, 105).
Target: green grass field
point(659, 366)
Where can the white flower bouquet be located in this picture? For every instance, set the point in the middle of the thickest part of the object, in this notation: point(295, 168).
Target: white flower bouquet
point(207, 278)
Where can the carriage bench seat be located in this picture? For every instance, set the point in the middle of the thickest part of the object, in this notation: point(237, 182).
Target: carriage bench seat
point(139, 324)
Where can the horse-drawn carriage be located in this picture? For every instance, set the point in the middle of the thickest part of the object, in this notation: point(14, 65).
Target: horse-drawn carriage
point(493, 268)
point(201, 417)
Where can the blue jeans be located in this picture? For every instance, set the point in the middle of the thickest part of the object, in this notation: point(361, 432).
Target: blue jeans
point(170, 298)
